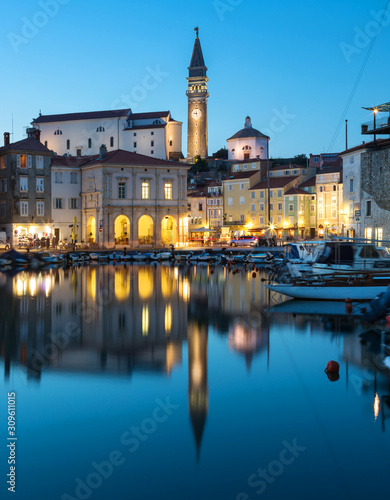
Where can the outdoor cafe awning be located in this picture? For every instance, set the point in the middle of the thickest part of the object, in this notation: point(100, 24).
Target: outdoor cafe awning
point(380, 108)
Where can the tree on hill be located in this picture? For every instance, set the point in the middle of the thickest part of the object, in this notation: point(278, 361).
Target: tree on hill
point(200, 165)
point(221, 153)
point(301, 159)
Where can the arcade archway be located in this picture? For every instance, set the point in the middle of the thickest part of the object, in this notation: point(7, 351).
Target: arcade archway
point(122, 230)
point(145, 230)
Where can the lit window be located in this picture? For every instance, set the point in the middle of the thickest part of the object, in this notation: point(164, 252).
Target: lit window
point(168, 190)
point(145, 190)
point(3, 162)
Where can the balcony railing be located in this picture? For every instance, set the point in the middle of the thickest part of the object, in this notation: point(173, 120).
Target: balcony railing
point(381, 126)
point(234, 223)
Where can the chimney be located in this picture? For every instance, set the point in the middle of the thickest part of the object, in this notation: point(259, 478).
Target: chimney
point(30, 132)
point(103, 151)
point(6, 138)
point(37, 134)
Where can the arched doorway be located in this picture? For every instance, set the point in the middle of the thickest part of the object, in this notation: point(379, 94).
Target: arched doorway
point(91, 230)
point(122, 230)
point(145, 230)
point(168, 230)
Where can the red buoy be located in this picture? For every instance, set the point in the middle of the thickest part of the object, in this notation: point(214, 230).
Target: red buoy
point(332, 367)
point(254, 275)
point(211, 271)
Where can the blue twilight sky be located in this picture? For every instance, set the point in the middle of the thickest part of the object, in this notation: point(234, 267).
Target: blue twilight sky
point(290, 65)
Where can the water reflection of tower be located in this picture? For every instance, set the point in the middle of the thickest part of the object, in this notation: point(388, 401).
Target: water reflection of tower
point(197, 379)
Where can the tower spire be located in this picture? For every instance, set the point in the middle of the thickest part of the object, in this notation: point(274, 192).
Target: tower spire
point(197, 103)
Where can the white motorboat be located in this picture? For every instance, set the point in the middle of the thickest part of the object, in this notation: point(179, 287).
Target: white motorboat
point(339, 286)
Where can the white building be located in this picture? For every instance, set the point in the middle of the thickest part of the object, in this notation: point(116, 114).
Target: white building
point(248, 143)
point(66, 195)
point(154, 134)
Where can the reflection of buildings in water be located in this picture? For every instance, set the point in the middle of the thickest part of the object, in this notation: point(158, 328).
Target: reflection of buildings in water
point(367, 352)
point(119, 318)
point(249, 336)
point(25, 318)
point(197, 379)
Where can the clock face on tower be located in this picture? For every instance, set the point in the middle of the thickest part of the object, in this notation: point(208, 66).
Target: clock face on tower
point(196, 113)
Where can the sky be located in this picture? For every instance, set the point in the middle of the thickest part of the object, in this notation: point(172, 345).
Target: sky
point(292, 66)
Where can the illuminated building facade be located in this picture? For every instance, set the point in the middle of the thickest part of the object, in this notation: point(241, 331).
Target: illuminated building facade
point(154, 134)
point(25, 189)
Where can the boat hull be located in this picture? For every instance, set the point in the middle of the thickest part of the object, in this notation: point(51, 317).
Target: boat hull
point(327, 292)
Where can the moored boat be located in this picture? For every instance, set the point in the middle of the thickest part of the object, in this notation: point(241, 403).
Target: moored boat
point(357, 287)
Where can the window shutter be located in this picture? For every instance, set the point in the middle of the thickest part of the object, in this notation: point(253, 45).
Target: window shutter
point(29, 161)
point(18, 161)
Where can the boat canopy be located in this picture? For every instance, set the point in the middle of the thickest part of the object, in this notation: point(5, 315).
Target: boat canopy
point(337, 253)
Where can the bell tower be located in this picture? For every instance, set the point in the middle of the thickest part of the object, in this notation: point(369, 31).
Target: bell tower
point(197, 143)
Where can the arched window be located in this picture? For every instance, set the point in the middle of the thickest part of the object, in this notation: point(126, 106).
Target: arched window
point(157, 122)
point(111, 142)
point(100, 129)
point(90, 143)
point(58, 132)
point(68, 144)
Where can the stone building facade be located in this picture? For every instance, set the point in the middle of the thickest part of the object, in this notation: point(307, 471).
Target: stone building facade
point(375, 195)
point(25, 189)
point(133, 200)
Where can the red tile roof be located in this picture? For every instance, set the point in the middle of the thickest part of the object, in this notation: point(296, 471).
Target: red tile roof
point(249, 160)
point(68, 161)
point(275, 182)
point(95, 115)
point(28, 144)
point(241, 175)
point(378, 142)
point(329, 170)
point(296, 191)
point(286, 167)
point(121, 157)
point(310, 182)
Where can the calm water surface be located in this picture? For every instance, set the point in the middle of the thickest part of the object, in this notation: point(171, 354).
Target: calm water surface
point(165, 383)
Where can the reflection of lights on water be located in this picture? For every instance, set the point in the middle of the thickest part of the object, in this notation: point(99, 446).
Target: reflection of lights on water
point(168, 319)
point(145, 319)
point(47, 285)
point(376, 405)
point(122, 284)
point(21, 284)
point(196, 372)
point(145, 283)
point(176, 272)
point(33, 286)
point(91, 284)
point(184, 290)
